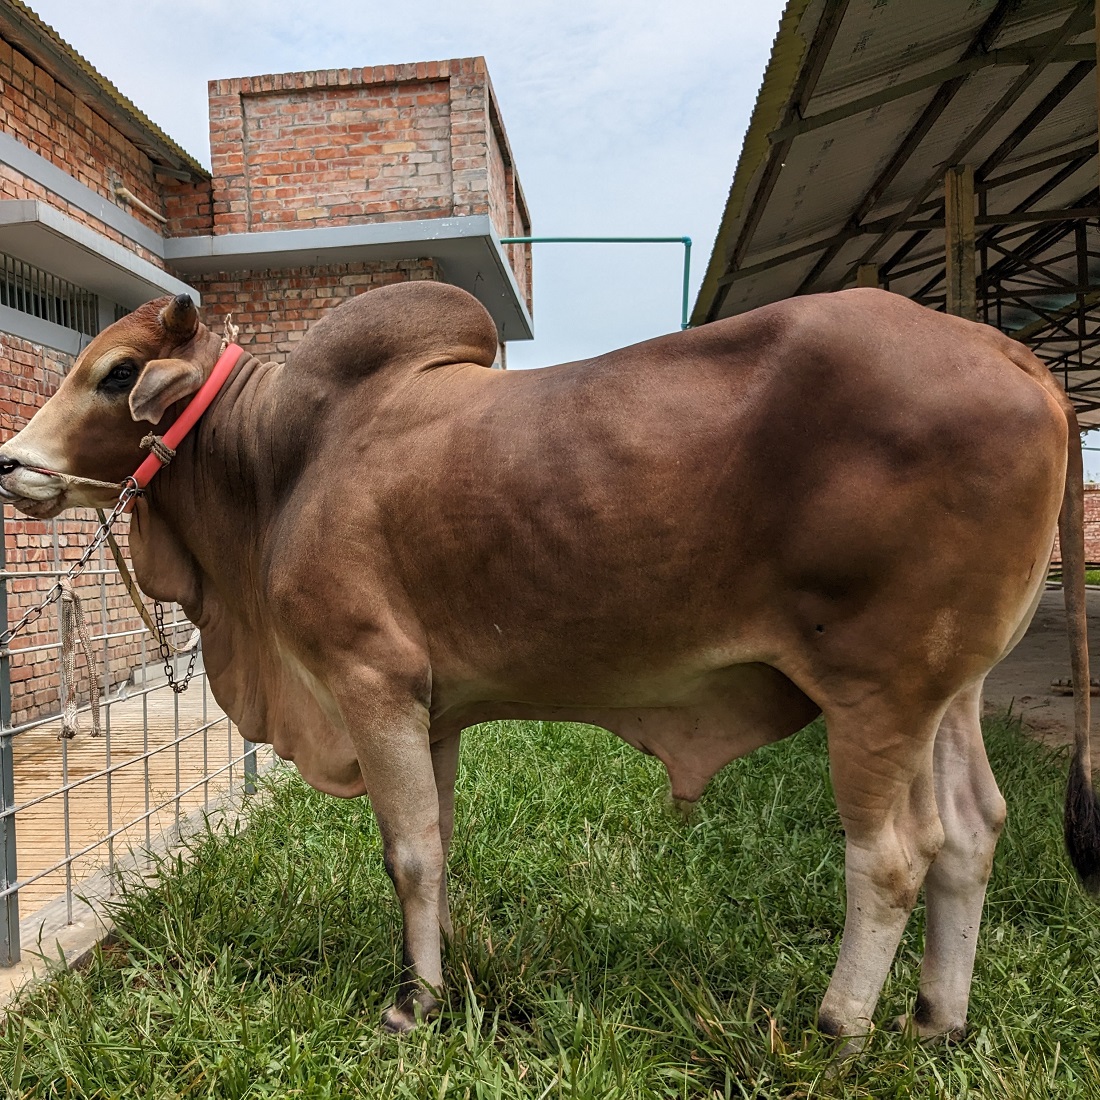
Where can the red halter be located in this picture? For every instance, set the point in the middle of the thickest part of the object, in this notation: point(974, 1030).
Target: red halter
point(189, 417)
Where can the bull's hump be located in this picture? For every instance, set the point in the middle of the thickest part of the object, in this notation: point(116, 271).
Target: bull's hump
point(407, 326)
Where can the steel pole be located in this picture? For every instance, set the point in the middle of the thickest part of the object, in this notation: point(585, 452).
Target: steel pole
point(9, 871)
point(685, 241)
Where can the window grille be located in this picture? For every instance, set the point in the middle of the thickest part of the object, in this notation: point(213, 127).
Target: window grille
point(31, 290)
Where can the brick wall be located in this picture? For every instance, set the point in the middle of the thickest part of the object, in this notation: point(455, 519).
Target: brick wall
point(275, 308)
point(1092, 528)
point(189, 208)
point(344, 146)
point(50, 121)
point(30, 375)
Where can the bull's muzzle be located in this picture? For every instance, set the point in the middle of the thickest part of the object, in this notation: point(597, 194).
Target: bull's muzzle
point(34, 492)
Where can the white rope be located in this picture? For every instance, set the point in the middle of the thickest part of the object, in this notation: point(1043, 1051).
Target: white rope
point(230, 332)
point(74, 632)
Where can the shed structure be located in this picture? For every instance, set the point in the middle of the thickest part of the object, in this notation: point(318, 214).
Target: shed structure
point(944, 150)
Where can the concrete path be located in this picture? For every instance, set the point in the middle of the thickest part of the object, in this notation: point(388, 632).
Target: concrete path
point(1024, 678)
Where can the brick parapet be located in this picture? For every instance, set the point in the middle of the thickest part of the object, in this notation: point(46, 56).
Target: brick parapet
point(348, 146)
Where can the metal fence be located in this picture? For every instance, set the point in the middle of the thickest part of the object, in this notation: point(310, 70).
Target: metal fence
point(72, 811)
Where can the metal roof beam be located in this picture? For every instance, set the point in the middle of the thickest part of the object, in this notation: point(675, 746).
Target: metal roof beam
point(1059, 177)
point(1021, 55)
point(981, 44)
point(1037, 243)
point(1080, 18)
point(816, 57)
point(1047, 104)
point(1035, 327)
point(1083, 153)
point(1011, 218)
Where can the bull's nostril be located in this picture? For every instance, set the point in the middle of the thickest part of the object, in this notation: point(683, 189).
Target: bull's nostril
point(7, 465)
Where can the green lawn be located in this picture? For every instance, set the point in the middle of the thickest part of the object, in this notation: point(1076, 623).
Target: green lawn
point(1092, 576)
point(603, 950)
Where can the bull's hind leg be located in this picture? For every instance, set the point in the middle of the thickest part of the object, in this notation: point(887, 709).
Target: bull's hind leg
point(973, 812)
point(880, 758)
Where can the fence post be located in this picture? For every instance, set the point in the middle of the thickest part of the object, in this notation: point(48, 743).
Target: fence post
point(250, 768)
point(9, 873)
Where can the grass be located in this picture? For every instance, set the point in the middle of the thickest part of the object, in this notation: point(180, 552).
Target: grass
point(603, 949)
point(1092, 576)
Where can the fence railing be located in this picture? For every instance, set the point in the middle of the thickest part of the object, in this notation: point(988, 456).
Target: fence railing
point(71, 810)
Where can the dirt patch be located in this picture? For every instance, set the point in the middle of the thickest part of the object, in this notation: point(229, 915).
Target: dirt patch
point(1023, 679)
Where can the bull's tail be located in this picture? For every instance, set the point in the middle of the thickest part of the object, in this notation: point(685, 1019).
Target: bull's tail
point(1082, 812)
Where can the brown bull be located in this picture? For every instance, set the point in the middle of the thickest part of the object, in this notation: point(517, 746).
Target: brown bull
point(841, 504)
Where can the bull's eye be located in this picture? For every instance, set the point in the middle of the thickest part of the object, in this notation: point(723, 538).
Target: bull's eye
point(119, 378)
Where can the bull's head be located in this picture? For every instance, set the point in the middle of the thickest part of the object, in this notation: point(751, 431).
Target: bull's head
point(124, 380)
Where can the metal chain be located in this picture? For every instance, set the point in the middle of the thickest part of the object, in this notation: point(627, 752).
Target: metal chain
point(178, 686)
point(130, 490)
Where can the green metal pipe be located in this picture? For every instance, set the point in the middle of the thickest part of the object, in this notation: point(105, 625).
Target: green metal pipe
point(685, 241)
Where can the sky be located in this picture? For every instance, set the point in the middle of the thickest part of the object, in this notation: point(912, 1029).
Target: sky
point(626, 118)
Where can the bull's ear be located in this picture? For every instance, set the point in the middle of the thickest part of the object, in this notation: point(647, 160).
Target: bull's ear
point(162, 383)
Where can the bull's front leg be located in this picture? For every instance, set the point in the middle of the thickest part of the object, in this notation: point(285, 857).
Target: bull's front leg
point(389, 729)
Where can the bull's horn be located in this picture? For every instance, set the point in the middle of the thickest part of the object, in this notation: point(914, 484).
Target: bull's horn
point(180, 317)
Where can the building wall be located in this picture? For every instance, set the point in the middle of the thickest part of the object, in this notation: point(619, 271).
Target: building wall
point(274, 309)
point(1092, 528)
point(49, 120)
point(343, 146)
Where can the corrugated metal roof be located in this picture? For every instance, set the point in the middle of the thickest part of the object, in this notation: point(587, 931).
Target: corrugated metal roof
point(20, 26)
point(863, 106)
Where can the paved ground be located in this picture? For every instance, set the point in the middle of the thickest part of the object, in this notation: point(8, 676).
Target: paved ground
point(147, 771)
point(1024, 678)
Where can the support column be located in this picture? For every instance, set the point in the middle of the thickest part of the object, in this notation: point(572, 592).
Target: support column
point(9, 875)
point(867, 274)
point(958, 186)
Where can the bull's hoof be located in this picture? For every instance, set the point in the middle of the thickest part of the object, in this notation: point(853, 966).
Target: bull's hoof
point(928, 1031)
point(680, 809)
point(398, 1021)
point(401, 1018)
point(848, 1044)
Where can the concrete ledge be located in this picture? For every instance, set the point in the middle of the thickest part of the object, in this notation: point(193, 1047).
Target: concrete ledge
point(36, 232)
point(467, 248)
point(14, 153)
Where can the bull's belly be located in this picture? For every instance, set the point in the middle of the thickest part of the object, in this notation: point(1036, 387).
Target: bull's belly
point(699, 729)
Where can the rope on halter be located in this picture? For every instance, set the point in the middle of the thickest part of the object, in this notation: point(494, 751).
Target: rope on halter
point(230, 332)
point(156, 444)
point(72, 479)
point(74, 633)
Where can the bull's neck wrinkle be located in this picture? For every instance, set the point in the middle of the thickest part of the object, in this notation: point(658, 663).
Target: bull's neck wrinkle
point(238, 456)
